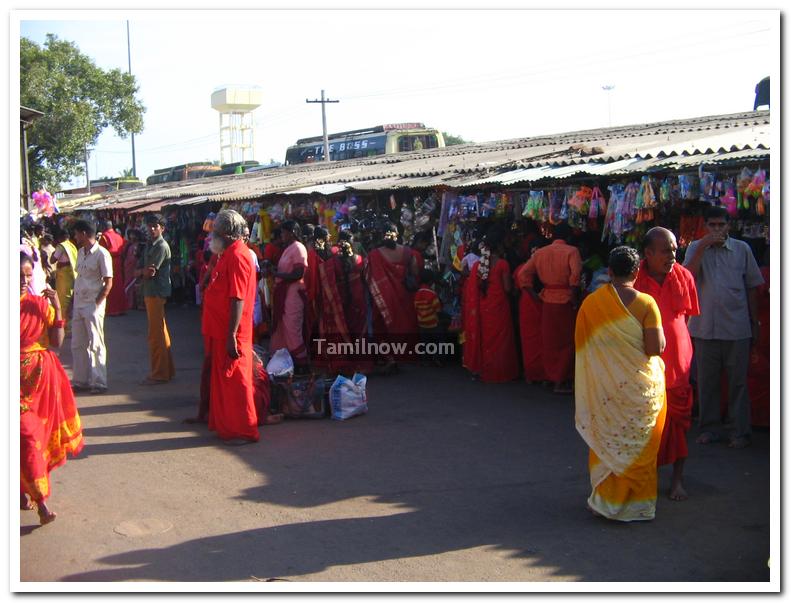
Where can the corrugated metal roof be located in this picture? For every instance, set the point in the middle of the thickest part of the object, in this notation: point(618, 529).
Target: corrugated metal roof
point(604, 151)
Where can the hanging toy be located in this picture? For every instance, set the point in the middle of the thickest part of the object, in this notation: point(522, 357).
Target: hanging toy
point(45, 203)
point(729, 201)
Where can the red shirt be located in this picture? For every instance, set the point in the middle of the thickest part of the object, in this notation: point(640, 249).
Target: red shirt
point(232, 277)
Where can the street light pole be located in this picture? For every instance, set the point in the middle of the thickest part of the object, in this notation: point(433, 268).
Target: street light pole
point(129, 59)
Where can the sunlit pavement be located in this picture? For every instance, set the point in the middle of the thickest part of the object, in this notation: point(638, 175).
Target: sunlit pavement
point(445, 479)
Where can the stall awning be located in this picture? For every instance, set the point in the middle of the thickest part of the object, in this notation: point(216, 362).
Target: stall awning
point(188, 201)
point(156, 206)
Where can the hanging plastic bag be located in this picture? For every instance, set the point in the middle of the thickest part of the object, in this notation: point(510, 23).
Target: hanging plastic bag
point(347, 397)
point(281, 364)
point(598, 206)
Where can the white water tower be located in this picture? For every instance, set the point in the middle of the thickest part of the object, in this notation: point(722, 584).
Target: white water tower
point(237, 130)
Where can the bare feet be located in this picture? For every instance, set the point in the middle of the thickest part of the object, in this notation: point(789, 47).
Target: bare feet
point(45, 516)
point(24, 503)
point(563, 388)
point(595, 513)
point(677, 491)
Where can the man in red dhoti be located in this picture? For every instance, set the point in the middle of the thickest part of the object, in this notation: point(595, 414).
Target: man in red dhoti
point(114, 243)
point(673, 288)
point(227, 325)
point(559, 267)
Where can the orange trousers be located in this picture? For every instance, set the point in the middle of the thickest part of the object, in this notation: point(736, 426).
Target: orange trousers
point(162, 368)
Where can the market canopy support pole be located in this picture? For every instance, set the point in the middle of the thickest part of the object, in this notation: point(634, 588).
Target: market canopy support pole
point(323, 102)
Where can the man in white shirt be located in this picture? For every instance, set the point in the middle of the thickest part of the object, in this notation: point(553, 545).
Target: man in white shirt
point(91, 287)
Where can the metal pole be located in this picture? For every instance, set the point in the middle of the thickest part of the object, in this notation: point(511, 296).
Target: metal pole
point(129, 58)
point(324, 128)
point(28, 198)
point(87, 176)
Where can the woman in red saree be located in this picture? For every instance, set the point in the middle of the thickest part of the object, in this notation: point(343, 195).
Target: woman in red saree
point(289, 300)
point(530, 306)
point(489, 345)
point(344, 316)
point(130, 254)
point(386, 269)
point(49, 425)
point(114, 243)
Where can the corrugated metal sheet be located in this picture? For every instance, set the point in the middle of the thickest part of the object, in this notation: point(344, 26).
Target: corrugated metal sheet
point(606, 151)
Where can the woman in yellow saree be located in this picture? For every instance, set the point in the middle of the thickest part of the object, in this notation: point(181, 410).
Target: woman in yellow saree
point(66, 257)
point(620, 392)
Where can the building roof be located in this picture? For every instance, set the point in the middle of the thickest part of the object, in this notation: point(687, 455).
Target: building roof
point(616, 151)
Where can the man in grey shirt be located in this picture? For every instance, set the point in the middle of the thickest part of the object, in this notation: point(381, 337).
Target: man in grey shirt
point(727, 276)
point(155, 270)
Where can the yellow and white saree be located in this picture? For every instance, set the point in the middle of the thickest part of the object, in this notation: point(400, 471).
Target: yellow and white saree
point(620, 407)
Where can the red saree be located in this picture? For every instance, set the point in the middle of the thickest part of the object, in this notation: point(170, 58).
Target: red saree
point(677, 298)
point(312, 289)
point(530, 331)
point(49, 425)
point(130, 265)
point(343, 312)
point(393, 305)
point(116, 299)
point(489, 322)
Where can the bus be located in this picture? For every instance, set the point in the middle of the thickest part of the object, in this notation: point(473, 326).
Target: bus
point(188, 171)
point(368, 142)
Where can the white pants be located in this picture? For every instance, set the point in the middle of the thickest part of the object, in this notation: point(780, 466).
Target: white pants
point(89, 355)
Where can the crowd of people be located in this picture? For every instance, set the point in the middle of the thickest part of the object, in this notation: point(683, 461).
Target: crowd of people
point(623, 346)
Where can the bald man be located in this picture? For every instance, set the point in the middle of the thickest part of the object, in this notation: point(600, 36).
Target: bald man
point(673, 288)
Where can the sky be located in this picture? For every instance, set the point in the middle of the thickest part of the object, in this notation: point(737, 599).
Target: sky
point(482, 74)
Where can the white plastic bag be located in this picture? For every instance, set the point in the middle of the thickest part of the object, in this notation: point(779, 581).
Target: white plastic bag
point(281, 364)
point(347, 397)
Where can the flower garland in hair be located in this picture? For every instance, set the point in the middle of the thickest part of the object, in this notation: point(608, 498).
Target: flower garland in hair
point(483, 267)
point(319, 244)
point(391, 235)
point(345, 248)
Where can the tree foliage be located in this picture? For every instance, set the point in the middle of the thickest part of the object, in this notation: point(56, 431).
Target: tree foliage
point(451, 139)
point(79, 100)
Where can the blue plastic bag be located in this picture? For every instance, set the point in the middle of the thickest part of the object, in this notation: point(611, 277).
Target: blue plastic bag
point(347, 397)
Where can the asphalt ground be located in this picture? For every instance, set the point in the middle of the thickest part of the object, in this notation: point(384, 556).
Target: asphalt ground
point(445, 479)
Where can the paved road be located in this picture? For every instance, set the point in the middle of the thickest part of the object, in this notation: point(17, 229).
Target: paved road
point(444, 480)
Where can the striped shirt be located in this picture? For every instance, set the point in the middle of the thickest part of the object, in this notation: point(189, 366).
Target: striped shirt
point(427, 306)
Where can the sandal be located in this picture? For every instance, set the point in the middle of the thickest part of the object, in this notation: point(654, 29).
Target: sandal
point(741, 442)
point(707, 437)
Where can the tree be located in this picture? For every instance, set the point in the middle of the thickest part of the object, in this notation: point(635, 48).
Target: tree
point(126, 174)
point(78, 100)
point(451, 139)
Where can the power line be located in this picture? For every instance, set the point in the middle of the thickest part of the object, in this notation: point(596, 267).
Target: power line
point(593, 59)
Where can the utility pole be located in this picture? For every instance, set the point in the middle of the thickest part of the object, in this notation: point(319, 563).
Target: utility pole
point(608, 89)
point(87, 176)
point(129, 58)
point(323, 102)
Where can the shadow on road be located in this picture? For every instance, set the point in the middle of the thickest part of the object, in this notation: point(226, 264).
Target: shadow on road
point(444, 464)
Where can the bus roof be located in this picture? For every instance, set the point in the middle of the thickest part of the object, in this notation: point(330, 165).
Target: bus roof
point(371, 130)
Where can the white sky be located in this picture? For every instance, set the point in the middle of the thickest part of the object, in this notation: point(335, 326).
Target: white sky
point(485, 75)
